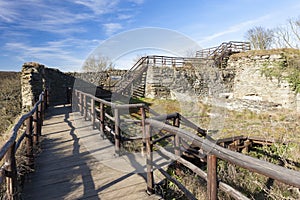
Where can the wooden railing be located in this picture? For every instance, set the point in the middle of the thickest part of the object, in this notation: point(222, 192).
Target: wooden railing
point(107, 116)
point(212, 151)
point(232, 46)
point(144, 62)
point(32, 122)
point(202, 56)
point(183, 134)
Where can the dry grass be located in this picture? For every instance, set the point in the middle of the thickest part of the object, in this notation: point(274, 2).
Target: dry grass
point(282, 125)
point(284, 51)
point(10, 107)
point(10, 100)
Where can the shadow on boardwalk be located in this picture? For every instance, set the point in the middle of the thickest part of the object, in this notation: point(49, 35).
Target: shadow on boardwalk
point(65, 169)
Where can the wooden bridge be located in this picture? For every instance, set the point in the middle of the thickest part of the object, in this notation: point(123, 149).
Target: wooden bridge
point(82, 153)
point(93, 148)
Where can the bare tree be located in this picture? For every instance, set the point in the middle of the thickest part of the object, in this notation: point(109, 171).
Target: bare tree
point(97, 64)
point(288, 36)
point(259, 37)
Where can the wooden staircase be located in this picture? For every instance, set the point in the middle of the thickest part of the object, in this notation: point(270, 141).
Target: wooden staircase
point(221, 53)
point(133, 83)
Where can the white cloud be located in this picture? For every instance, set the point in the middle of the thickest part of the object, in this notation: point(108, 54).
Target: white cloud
point(111, 28)
point(8, 13)
point(53, 17)
point(68, 54)
point(124, 16)
point(99, 6)
point(28, 19)
point(137, 1)
point(235, 28)
point(42, 16)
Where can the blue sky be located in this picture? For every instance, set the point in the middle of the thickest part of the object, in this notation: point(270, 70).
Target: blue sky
point(62, 33)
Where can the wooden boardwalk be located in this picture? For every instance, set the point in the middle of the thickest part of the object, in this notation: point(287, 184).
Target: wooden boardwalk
point(67, 169)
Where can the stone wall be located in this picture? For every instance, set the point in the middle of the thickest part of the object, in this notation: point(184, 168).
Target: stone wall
point(250, 82)
point(199, 80)
point(164, 82)
point(36, 77)
point(31, 84)
point(103, 79)
point(242, 79)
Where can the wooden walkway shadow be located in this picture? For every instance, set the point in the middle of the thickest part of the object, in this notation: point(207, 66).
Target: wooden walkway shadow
point(66, 169)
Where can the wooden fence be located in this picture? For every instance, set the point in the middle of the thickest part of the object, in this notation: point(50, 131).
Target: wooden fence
point(109, 116)
point(170, 127)
point(232, 46)
point(154, 60)
point(32, 122)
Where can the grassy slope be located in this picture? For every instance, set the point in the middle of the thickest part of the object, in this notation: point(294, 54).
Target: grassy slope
point(10, 99)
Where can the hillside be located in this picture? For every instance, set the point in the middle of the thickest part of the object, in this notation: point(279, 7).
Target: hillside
point(10, 98)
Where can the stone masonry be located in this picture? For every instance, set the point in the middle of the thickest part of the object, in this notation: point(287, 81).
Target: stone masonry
point(36, 77)
point(251, 84)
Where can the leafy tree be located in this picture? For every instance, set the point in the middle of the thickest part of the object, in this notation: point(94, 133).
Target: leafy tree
point(259, 37)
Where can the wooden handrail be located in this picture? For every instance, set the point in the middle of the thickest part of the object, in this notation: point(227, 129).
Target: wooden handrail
point(8, 150)
point(234, 46)
point(210, 147)
point(17, 126)
point(152, 60)
point(82, 106)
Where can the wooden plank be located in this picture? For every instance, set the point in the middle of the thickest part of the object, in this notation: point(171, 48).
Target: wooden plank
point(66, 170)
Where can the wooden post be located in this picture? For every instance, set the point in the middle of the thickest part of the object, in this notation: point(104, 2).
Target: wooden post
point(149, 155)
point(93, 112)
point(69, 95)
point(212, 185)
point(177, 142)
point(46, 100)
point(35, 127)
point(84, 107)
point(117, 131)
point(11, 177)
point(29, 143)
point(80, 103)
point(43, 107)
point(101, 119)
point(40, 121)
point(143, 118)
point(77, 100)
